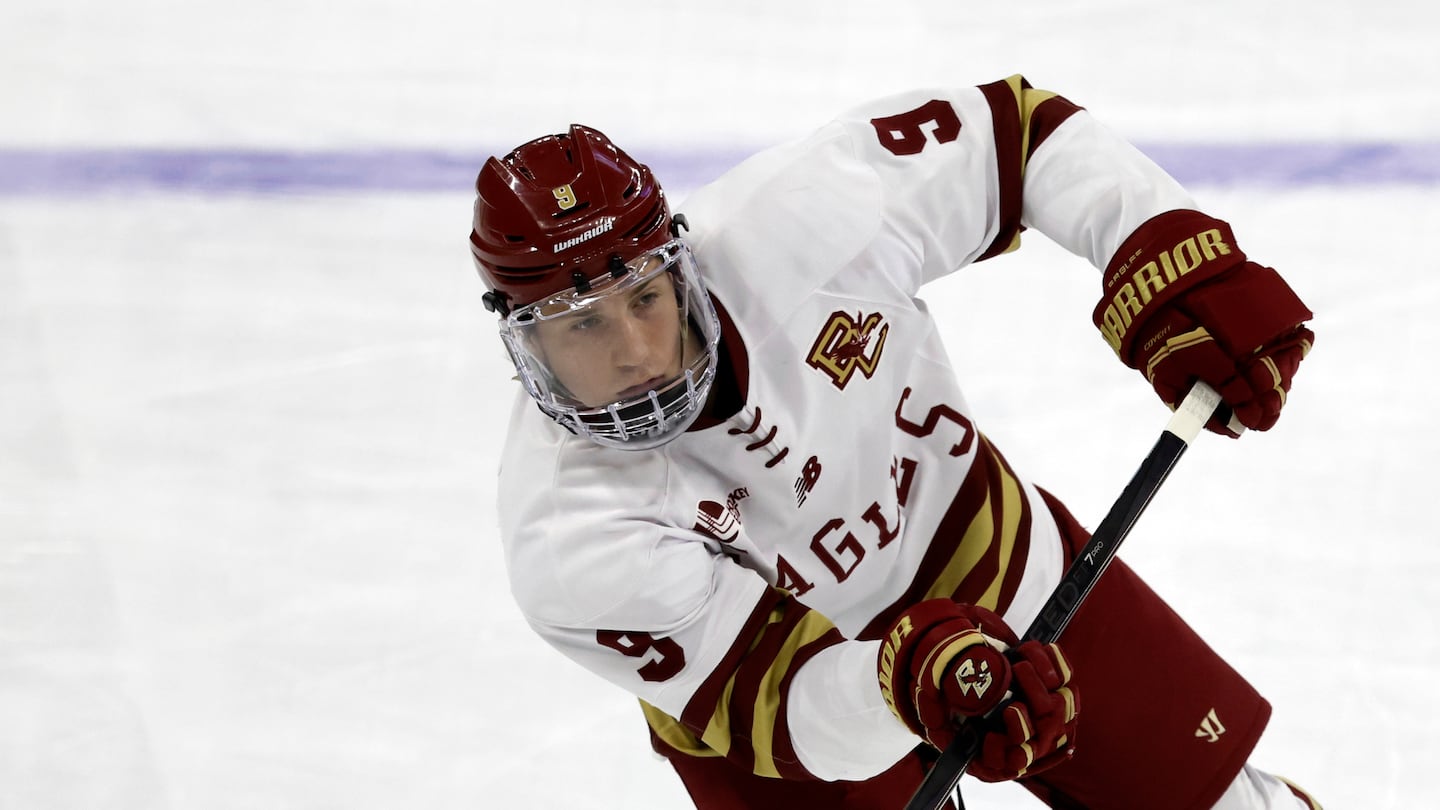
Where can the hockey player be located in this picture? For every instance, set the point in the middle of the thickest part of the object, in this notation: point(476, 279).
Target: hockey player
point(753, 495)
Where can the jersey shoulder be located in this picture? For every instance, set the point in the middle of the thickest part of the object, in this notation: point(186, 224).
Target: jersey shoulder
point(798, 195)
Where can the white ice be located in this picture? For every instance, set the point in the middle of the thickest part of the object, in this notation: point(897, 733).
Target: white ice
point(248, 557)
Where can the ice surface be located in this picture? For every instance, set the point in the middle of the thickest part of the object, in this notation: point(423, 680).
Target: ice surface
point(248, 432)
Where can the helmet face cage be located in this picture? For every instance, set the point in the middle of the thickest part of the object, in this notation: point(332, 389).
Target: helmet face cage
point(641, 420)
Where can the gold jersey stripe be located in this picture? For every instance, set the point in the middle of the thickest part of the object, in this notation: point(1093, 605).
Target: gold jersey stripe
point(674, 734)
point(1301, 794)
point(1012, 509)
point(984, 539)
point(811, 628)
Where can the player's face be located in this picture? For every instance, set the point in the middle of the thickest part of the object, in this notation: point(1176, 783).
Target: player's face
point(621, 346)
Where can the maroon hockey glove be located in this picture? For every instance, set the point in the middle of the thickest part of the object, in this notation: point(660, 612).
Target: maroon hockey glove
point(943, 664)
point(1182, 303)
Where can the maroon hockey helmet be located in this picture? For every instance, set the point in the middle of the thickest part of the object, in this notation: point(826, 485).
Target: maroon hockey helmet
point(568, 232)
point(552, 213)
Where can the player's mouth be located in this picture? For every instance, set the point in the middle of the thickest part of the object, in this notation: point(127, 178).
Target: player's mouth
point(641, 389)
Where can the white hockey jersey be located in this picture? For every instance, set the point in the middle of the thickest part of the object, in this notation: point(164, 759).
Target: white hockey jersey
point(735, 579)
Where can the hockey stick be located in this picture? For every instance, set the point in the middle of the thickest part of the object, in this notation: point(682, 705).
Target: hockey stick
point(1083, 573)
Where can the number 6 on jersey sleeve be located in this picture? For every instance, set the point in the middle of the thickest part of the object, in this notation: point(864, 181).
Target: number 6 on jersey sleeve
point(905, 133)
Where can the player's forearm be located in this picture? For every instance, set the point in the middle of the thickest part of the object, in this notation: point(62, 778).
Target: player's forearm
point(839, 724)
point(1087, 189)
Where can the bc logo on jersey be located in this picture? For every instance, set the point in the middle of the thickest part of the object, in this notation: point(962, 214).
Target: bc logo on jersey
point(849, 343)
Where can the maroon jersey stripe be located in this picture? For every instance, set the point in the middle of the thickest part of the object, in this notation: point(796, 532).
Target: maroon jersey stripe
point(1009, 135)
point(1049, 115)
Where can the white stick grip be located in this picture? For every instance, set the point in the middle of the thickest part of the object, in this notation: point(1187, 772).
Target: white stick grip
point(1194, 411)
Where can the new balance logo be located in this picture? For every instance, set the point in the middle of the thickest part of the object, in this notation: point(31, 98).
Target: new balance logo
point(809, 475)
point(1210, 728)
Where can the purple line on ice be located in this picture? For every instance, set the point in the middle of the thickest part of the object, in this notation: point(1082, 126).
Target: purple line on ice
point(209, 171)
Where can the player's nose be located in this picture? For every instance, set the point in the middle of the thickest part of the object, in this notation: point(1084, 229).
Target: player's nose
point(630, 344)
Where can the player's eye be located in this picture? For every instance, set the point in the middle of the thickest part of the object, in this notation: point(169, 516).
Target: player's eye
point(585, 323)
